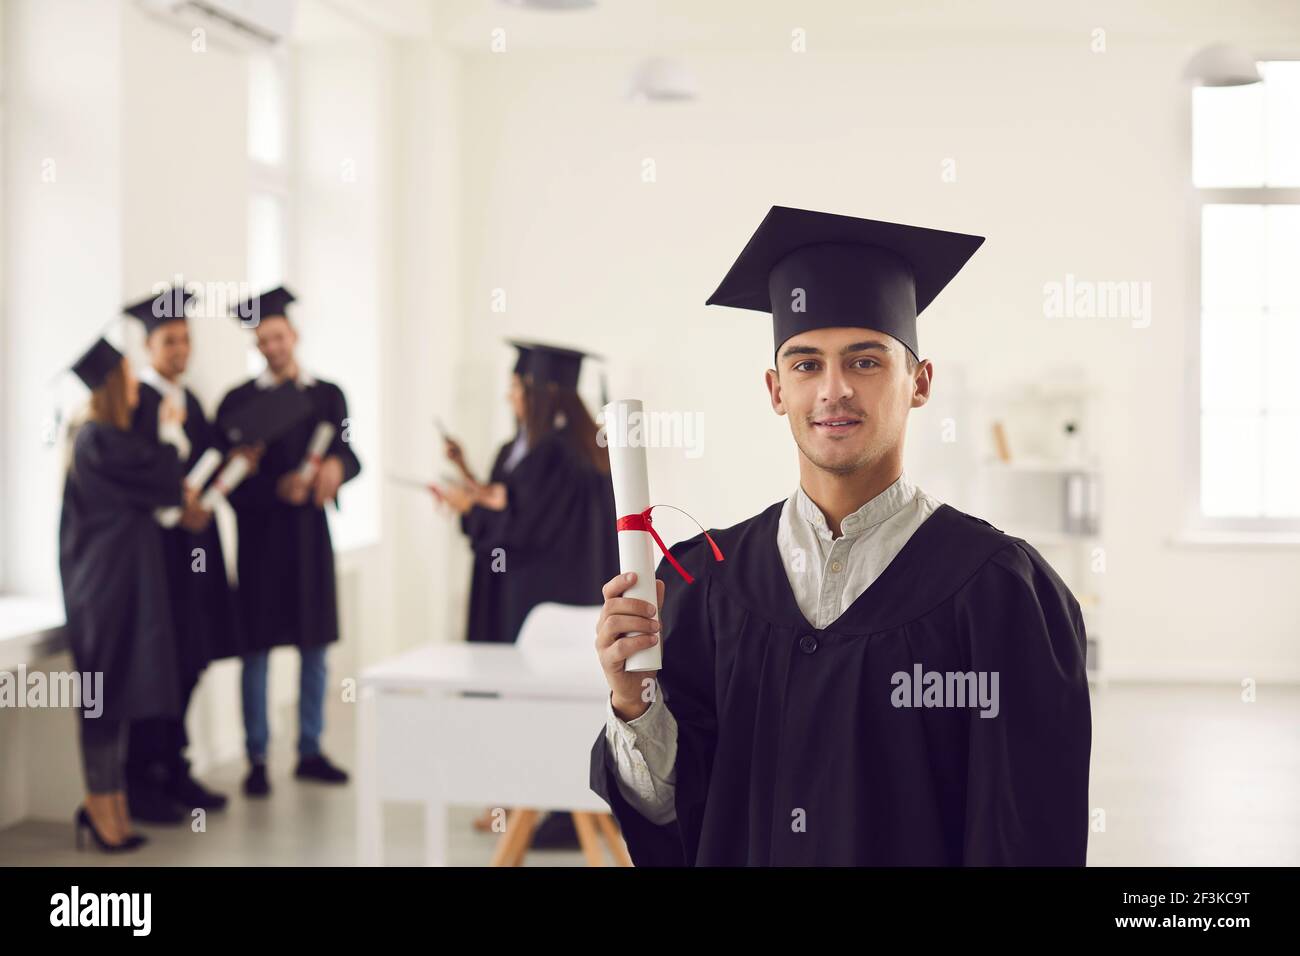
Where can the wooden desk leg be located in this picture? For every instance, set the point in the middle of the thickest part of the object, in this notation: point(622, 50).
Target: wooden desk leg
point(612, 837)
point(513, 844)
point(587, 838)
point(370, 814)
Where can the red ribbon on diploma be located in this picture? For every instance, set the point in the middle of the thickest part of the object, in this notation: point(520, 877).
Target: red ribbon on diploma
point(641, 522)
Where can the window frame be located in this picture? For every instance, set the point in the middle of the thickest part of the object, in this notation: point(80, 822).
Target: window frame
point(274, 180)
point(1196, 522)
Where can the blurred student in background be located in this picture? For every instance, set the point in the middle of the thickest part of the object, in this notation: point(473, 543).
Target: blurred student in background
point(542, 527)
point(160, 788)
point(119, 622)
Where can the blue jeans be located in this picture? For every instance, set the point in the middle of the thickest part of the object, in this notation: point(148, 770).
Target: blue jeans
point(311, 702)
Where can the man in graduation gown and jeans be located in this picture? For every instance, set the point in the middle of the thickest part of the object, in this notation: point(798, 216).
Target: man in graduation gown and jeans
point(869, 676)
point(286, 559)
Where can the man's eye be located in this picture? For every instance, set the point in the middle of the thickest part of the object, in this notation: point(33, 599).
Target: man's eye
point(805, 366)
point(869, 363)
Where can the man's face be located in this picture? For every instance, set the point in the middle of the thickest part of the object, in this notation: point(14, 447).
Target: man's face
point(169, 348)
point(276, 339)
point(847, 393)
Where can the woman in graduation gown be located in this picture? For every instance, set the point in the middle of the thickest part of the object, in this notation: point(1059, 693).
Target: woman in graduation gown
point(542, 530)
point(119, 621)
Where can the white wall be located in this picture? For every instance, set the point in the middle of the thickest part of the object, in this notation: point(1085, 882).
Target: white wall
point(63, 258)
point(1068, 161)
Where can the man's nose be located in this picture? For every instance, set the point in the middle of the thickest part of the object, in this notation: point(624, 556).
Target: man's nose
point(836, 385)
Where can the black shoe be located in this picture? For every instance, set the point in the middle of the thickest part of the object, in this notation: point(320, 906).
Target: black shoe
point(150, 803)
point(317, 767)
point(188, 792)
point(255, 784)
point(556, 832)
point(82, 822)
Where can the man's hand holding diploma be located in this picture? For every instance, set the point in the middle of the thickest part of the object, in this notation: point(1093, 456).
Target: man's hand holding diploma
point(619, 616)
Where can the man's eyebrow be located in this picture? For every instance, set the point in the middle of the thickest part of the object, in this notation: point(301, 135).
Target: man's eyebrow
point(864, 346)
point(801, 350)
point(855, 347)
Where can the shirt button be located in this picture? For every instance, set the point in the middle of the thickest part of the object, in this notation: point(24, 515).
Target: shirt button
point(808, 644)
point(837, 567)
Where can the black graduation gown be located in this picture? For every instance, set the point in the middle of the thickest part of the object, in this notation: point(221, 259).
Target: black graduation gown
point(119, 619)
point(203, 604)
point(556, 538)
point(286, 588)
point(782, 725)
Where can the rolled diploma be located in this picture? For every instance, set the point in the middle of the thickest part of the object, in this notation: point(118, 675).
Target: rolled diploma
point(627, 471)
point(203, 469)
point(316, 448)
point(236, 470)
point(196, 479)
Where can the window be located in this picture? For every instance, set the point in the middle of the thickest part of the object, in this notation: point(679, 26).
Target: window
point(1246, 174)
point(269, 178)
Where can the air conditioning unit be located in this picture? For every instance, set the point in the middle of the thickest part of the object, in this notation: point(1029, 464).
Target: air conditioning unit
point(244, 24)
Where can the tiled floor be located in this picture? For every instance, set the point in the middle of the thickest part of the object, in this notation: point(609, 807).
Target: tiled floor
point(1185, 775)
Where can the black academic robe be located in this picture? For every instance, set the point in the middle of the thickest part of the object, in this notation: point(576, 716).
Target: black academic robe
point(286, 559)
point(791, 750)
point(203, 604)
point(119, 619)
point(554, 542)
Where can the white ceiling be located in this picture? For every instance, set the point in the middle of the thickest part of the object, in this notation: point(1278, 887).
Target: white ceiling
point(846, 25)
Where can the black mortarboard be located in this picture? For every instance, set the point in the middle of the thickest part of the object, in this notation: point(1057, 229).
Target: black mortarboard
point(270, 303)
point(167, 306)
point(818, 270)
point(521, 361)
point(549, 364)
point(266, 416)
point(100, 359)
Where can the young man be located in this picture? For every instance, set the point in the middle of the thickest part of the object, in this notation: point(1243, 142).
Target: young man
point(160, 788)
point(286, 559)
point(869, 677)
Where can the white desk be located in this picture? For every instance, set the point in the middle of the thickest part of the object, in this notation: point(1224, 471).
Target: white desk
point(426, 734)
point(30, 628)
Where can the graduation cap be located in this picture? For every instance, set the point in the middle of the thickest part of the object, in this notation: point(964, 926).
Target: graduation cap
point(267, 415)
point(553, 365)
point(817, 270)
point(521, 361)
point(271, 303)
point(96, 363)
point(157, 310)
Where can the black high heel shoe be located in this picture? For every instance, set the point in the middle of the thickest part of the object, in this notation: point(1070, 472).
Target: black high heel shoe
point(83, 822)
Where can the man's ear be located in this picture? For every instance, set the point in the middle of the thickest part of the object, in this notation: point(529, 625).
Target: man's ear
point(773, 379)
point(921, 381)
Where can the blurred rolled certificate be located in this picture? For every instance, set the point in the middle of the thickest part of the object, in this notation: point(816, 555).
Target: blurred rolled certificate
point(195, 480)
point(203, 469)
point(228, 480)
point(316, 448)
point(628, 471)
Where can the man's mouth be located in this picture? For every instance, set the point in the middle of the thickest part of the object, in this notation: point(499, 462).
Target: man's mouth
point(837, 424)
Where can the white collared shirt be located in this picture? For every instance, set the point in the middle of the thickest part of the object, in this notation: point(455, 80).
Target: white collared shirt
point(268, 379)
point(172, 433)
point(826, 574)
